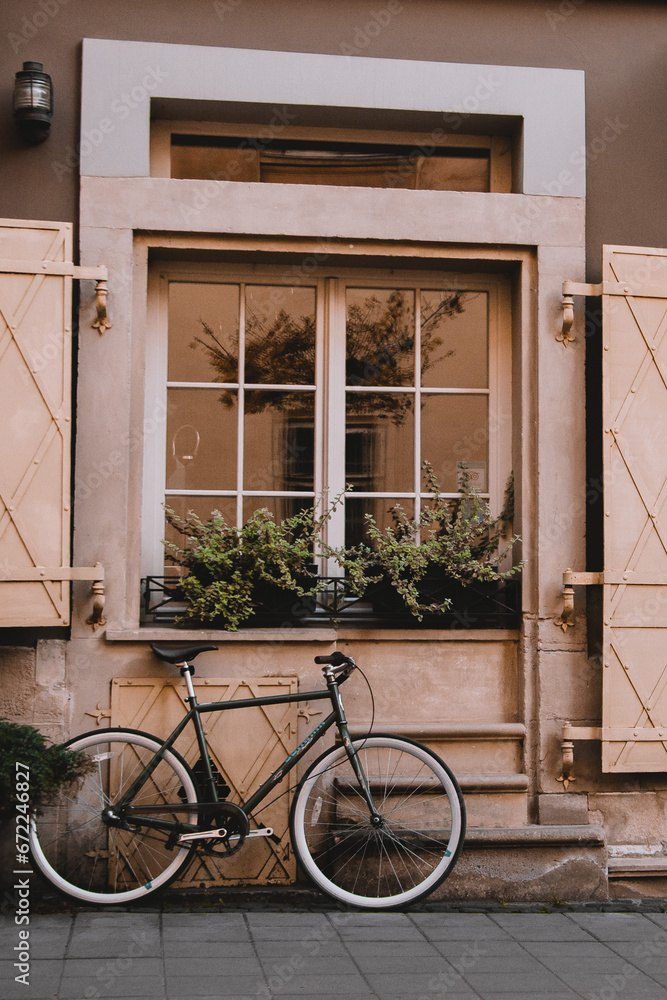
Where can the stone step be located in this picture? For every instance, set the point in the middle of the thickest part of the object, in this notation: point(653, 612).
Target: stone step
point(530, 862)
point(647, 866)
point(467, 748)
point(495, 800)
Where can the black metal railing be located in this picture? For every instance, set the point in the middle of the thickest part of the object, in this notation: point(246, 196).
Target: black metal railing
point(474, 606)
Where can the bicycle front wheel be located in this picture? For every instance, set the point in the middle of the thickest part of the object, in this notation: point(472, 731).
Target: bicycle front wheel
point(386, 862)
point(81, 853)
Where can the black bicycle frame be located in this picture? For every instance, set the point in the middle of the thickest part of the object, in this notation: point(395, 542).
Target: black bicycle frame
point(337, 717)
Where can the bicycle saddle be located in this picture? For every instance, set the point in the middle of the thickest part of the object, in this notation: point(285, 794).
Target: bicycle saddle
point(179, 654)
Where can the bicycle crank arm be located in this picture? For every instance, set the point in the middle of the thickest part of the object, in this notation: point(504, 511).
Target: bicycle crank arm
point(186, 837)
point(264, 831)
point(221, 832)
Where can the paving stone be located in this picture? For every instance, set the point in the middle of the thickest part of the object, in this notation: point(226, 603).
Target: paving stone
point(422, 984)
point(115, 937)
point(43, 979)
point(328, 965)
point(586, 963)
point(485, 947)
point(272, 950)
point(215, 986)
point(404, 965)
point(237, 950)
point(381, 932)
point(205, 920)
point(109, 968)
point(541, 927)
point(619, 926)
point(453, 926)
point(358, 948)
point(563, 994)
point(568, 949)
point(515, 982)
point(626, 987)
point(317, 985)
point(76, 987)
point(211, 966)
point(212, 933)
point(306, 921)
point(499, 963)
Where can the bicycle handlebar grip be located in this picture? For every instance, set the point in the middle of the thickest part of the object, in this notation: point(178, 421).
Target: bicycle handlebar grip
point(334, 659)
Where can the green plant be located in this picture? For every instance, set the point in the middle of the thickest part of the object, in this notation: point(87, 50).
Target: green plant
point(50, 766)
point(457, 538)
point(225, 564)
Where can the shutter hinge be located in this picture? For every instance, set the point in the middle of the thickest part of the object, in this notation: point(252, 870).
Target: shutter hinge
point(571, 580)
point(571, 733)
point(99, 274)
point(623, 288)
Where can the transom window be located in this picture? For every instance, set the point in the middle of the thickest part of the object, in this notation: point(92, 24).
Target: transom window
point(278, 392)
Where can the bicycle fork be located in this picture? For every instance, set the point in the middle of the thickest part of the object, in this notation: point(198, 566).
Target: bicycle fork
point(341, 722)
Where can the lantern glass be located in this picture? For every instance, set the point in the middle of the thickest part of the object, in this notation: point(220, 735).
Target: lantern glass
point(31, 92)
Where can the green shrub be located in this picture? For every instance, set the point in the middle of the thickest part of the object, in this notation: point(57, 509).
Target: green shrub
point(225, 564)
point(455, 539)
point(51, 765)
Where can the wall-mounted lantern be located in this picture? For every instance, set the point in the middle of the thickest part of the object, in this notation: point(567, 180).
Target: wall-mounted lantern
point(33, 102)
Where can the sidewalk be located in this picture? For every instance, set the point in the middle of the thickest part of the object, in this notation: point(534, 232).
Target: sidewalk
point(333, 954)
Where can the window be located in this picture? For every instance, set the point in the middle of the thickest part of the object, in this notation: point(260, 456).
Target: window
point(279, 153)
point(278, 391)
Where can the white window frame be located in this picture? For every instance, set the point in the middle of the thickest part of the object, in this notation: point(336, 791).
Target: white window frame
point(330, 387)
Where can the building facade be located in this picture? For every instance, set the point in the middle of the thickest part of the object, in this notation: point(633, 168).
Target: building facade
point(488, 176)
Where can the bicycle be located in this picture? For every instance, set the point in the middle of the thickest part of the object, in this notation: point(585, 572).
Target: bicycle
point(376, 822)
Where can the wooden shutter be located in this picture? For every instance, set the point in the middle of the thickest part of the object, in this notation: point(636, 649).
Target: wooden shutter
point(634, 696)
point(246, 746)
point(35, 417)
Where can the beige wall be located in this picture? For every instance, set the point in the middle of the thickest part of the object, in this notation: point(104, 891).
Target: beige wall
point(539, 679)
point(618, 44)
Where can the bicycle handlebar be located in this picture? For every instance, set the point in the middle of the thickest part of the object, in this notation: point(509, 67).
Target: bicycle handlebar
point(334, 659)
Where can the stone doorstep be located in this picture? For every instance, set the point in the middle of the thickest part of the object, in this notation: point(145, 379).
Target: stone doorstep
point(529, 864)
point(637, 867)
point(589, 835)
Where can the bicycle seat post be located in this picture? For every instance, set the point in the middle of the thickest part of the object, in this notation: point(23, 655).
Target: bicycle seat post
point(187, 670)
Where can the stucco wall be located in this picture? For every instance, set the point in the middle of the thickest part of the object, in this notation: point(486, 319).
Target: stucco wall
point(618, 44)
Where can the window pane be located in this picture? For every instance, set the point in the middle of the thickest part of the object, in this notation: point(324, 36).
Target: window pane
point(279, 443)
point(454, 339)
point(379, 441)
point(280, 335)
point(456, 429)
point(203, 332)
point(201, 439)
point(203, 507)
point(380, 336)
point(454, 173)
point(280, 507)
point(356, 509)
point(211, 162)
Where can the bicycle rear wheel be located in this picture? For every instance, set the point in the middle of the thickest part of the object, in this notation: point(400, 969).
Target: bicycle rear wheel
point(390, 863)
point(85, 857)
